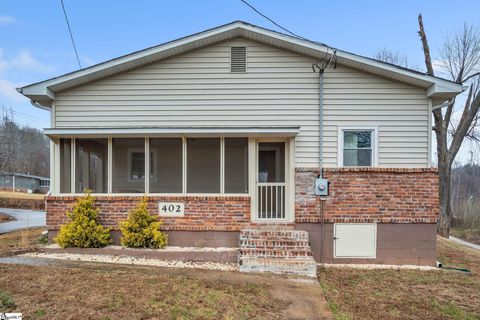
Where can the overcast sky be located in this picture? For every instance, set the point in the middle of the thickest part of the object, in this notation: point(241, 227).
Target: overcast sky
point(35, 44)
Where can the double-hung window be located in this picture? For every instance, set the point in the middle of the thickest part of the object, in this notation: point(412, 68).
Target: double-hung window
point(357, 147)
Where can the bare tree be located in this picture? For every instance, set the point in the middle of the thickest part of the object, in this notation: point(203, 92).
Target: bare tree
point(460, 55)
point(393, 57)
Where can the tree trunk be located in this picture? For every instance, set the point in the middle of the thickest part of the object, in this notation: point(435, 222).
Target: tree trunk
point(445, 218)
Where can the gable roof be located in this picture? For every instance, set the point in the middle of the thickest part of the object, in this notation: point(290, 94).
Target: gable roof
point(44, 92)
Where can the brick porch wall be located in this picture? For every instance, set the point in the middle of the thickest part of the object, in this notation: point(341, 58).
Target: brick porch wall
point(202, 213)
point(383, 195)
point(356, 195)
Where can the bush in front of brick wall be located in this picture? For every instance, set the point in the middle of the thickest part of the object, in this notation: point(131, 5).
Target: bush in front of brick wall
point(83, 229)
point(141, 229)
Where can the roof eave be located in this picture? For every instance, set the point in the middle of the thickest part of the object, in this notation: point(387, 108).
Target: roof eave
point(44, 92)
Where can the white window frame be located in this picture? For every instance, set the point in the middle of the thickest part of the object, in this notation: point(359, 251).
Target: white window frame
point(340, 139)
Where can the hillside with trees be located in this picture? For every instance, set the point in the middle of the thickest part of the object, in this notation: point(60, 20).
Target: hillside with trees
point(22, 149)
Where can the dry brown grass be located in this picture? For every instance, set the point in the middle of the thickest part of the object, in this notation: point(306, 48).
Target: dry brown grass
point(406, 294)
point(20, 239)
point(122, 292)
point(21, 195)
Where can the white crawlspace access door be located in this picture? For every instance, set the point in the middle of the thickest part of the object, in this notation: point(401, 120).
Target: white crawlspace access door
point(272, 181)
point(355, 240)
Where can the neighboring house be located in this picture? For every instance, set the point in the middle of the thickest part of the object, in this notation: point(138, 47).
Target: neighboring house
point(221, 130)
point(24, 182)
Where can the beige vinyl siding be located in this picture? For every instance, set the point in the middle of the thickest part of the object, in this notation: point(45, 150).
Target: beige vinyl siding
point(279, 88)
point(399, 111)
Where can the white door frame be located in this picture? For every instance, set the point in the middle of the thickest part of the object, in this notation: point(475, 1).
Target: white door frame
point(289, 178)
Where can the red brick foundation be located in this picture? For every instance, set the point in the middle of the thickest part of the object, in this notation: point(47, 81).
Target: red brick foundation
point(212, 213)
point(356, 195)
point(383, 195)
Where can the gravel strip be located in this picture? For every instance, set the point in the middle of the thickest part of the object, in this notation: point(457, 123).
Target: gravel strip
point(133, 261)
point(166, 249)
point(378, 266)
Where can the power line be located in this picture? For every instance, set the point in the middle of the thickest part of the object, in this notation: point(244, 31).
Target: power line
point(326, 62)
point(71, 34)
point(272, 21)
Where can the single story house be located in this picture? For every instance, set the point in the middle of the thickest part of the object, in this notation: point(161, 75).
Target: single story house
point(240, 133)
point(24, 182)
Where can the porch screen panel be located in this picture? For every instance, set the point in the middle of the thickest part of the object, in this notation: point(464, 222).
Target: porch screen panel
point(65, 165)
point(166, 169)
point(91, 165)
point(128, 161)
point(236, 165)
point(203, 165)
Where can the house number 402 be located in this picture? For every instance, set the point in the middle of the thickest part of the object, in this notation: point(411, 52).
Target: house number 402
point(171, 208)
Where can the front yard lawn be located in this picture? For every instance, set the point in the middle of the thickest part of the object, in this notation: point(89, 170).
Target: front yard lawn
point(407, 294)
point(121, 292)
point(20, 239)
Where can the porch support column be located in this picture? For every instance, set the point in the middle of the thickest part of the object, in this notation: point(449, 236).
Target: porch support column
point(147, 165)
point(110, 165)
point(252, 177)
point(290, 187)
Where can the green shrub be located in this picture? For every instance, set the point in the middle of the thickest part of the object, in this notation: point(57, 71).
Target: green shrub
point(142, 230)
point(6, 301)
point(83, 230)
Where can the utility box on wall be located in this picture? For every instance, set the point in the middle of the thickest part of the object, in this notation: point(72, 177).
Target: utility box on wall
point(355, 240)
point(321, 187)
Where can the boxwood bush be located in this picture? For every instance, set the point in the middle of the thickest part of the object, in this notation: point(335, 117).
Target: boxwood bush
point(141, 229)
point(83, 229)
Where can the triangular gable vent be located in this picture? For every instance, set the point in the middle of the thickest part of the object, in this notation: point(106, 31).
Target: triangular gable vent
point(238, 59)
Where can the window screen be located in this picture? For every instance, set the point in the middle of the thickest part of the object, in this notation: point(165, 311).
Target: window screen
point(91, 165)
point(203, 165)
point(166, 173)
point(236, 165)
point(128, 174)
point(357, 148)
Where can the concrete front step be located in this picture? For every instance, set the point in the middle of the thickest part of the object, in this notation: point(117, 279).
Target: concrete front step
point(296, 266)
point(276, 252)
point(273, 243)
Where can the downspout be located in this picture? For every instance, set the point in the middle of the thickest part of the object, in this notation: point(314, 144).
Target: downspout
point(321, 185)
point(321, 71)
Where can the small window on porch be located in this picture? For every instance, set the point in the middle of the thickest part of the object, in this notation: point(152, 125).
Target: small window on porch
point(128, 161)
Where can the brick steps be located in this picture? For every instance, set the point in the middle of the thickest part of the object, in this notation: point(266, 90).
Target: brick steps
point(277, 249)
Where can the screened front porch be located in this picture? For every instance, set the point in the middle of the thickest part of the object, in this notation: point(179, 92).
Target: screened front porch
point(261, 167)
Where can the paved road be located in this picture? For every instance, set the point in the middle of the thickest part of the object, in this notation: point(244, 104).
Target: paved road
point(25, 218)
point(465, 243)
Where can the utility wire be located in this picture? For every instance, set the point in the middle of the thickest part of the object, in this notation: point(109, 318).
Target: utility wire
point(272, 21)
point(71, 34)
point(326, 62)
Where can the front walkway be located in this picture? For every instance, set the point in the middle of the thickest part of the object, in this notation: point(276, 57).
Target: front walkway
point(24, 219)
